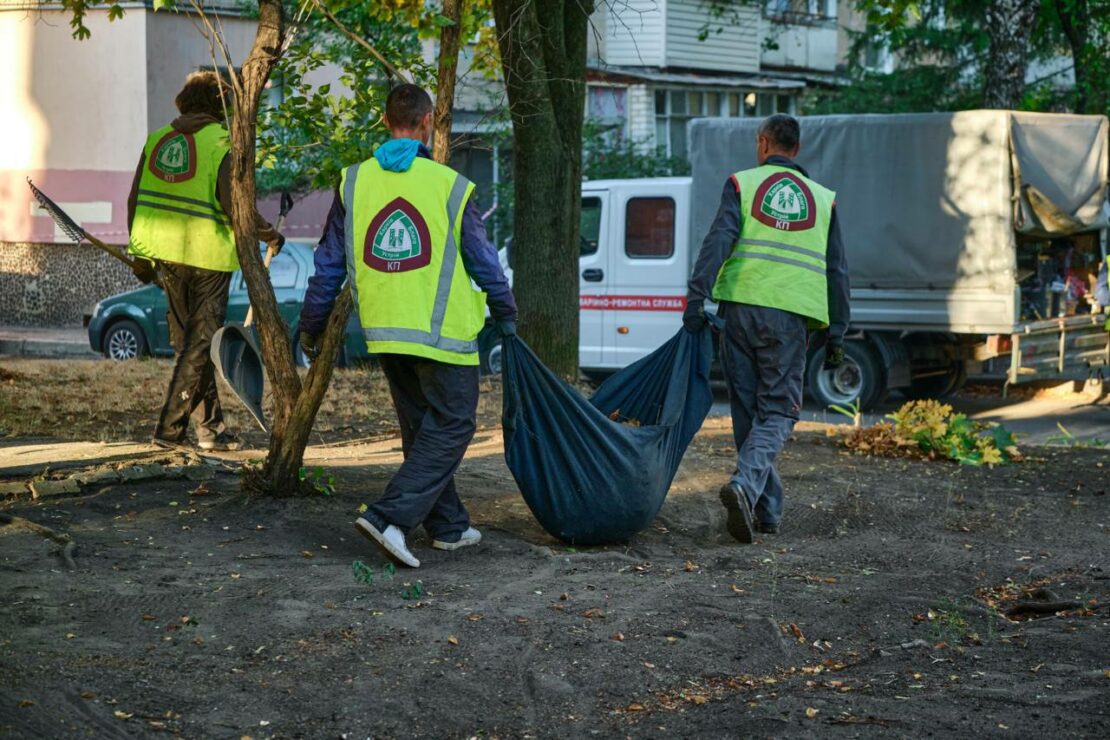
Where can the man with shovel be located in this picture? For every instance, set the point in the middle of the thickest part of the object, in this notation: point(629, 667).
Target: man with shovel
point(774, 262)
point(177, 214)
point(407, 235)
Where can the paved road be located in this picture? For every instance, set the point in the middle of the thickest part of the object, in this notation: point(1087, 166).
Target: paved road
point(1034, 420)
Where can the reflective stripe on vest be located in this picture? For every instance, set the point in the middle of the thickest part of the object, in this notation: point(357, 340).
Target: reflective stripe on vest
point(779, 259)
point(435, 342)
point(177, 215)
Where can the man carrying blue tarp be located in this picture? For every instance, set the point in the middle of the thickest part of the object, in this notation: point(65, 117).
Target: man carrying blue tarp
point(774, 262)
point(407, 234)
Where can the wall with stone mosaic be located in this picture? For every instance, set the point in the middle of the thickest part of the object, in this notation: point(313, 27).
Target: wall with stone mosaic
point(56, 284)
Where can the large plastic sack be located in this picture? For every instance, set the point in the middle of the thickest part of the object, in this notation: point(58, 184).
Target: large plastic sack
point(596, 470)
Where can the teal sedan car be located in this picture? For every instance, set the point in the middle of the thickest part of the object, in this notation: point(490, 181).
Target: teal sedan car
point(134, 324)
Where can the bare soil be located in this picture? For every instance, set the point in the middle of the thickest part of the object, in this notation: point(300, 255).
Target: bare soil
point(879, 610)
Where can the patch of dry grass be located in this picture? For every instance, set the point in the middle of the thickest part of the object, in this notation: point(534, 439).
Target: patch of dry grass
point(119, 401)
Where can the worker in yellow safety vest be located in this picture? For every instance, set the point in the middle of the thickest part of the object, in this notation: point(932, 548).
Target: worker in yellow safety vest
point(774, 263)
point(407, 235)
point(177, 214)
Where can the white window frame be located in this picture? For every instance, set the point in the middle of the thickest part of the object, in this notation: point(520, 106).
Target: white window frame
point(724, 107)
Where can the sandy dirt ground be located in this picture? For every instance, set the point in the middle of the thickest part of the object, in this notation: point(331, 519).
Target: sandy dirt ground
point(880, 610)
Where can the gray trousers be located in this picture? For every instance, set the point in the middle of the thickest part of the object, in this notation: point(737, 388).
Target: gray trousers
point(436, 403)
point(763, 355)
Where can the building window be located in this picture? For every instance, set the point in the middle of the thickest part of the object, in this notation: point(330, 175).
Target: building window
point(649, 228)
point(674, 107)
point(877, 58)
point(800, 12)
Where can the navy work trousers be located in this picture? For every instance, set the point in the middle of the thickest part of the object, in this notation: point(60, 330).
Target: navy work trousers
point(763, 355)
point(436, 403)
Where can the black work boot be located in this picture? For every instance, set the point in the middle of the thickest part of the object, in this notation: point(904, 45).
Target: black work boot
point(766, 528)
point(739, 521)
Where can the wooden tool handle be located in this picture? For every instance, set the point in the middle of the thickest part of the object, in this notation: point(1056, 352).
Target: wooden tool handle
point(265, 263)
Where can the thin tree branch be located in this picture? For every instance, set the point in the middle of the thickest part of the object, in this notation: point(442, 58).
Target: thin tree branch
point(361, 41)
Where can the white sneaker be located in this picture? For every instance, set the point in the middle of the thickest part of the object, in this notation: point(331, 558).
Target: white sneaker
point(391, 541)
point(470, 537)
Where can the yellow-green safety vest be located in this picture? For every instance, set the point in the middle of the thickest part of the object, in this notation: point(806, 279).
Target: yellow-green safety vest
point(403, 231)
point(178, 217)
point(778, 260)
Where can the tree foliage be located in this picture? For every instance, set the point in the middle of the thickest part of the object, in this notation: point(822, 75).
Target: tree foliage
point(308, 131)
point(942, 52)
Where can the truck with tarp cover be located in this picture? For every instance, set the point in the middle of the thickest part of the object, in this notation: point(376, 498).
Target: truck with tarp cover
point(971, 236)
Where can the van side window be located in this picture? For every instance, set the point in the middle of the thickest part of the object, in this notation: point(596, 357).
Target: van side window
point(589, 226)
point(283, 272)
point(649, 228)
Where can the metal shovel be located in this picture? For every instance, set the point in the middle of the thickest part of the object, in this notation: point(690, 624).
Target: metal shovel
point(235, 351)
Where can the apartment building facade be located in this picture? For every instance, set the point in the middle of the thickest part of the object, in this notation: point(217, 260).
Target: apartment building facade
point(655, 64)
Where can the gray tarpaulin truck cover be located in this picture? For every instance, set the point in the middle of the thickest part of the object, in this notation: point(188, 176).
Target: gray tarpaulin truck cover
point(926, 200)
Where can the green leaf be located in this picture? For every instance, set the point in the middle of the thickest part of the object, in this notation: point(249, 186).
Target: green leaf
point(302, 473)
point(163, 5)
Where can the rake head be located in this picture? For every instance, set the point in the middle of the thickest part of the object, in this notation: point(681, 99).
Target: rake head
point(72, 229)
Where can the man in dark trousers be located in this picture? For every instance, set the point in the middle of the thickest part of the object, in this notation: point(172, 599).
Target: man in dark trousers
point(177, 214)
point(406, 233)
point(774, 262)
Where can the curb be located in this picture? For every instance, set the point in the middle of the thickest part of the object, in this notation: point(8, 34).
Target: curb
point(45, 348)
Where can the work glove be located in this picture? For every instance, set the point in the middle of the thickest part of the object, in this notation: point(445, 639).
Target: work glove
point(834, 355)
point(505, 327)
point(275, 245)
point(309, 345)
point(145, 271)
point(693, 318)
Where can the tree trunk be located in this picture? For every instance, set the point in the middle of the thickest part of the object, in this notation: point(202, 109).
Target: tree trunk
point(445, 88)
point(543, 55)
point(1075, 21)
point(294, 404)
point(1009, 25)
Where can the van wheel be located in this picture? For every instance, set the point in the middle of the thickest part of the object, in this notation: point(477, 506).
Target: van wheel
point(124, 341)
point(860, 377)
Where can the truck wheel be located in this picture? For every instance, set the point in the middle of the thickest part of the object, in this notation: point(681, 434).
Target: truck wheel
point(939, 386)
point(859, 377)
point(124, 341)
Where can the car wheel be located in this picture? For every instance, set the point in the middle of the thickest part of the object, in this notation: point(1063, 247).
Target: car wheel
point(859, 378)
point(491, 360)
point(124, 341)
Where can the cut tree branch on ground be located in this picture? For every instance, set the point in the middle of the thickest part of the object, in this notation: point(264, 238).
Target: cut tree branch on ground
point(9, 524)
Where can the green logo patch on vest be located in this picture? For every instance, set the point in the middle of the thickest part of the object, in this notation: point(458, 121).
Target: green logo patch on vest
point(174, 157)
point(397, 240)
point(783, 201)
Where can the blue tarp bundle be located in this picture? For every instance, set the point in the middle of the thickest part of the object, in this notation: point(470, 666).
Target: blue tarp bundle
point(589, 473)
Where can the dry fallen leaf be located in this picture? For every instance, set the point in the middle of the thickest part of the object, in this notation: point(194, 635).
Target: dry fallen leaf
point(70, 635)
point(619, 637)
point(736, 589)
point(593, 613)
point(635, 707)
point(699, 699)
point(234, 575)
point(26, 703)
point(564, 597)
point(453, 640)
point(149, 617)
point(308, 553)
point(120, 714)
point(648, 665)
point(474, 617)
point(811, 712)
point(521, 620)
point(88, 695)
point(691, 566)
point(362, 508)
point(797, 632)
